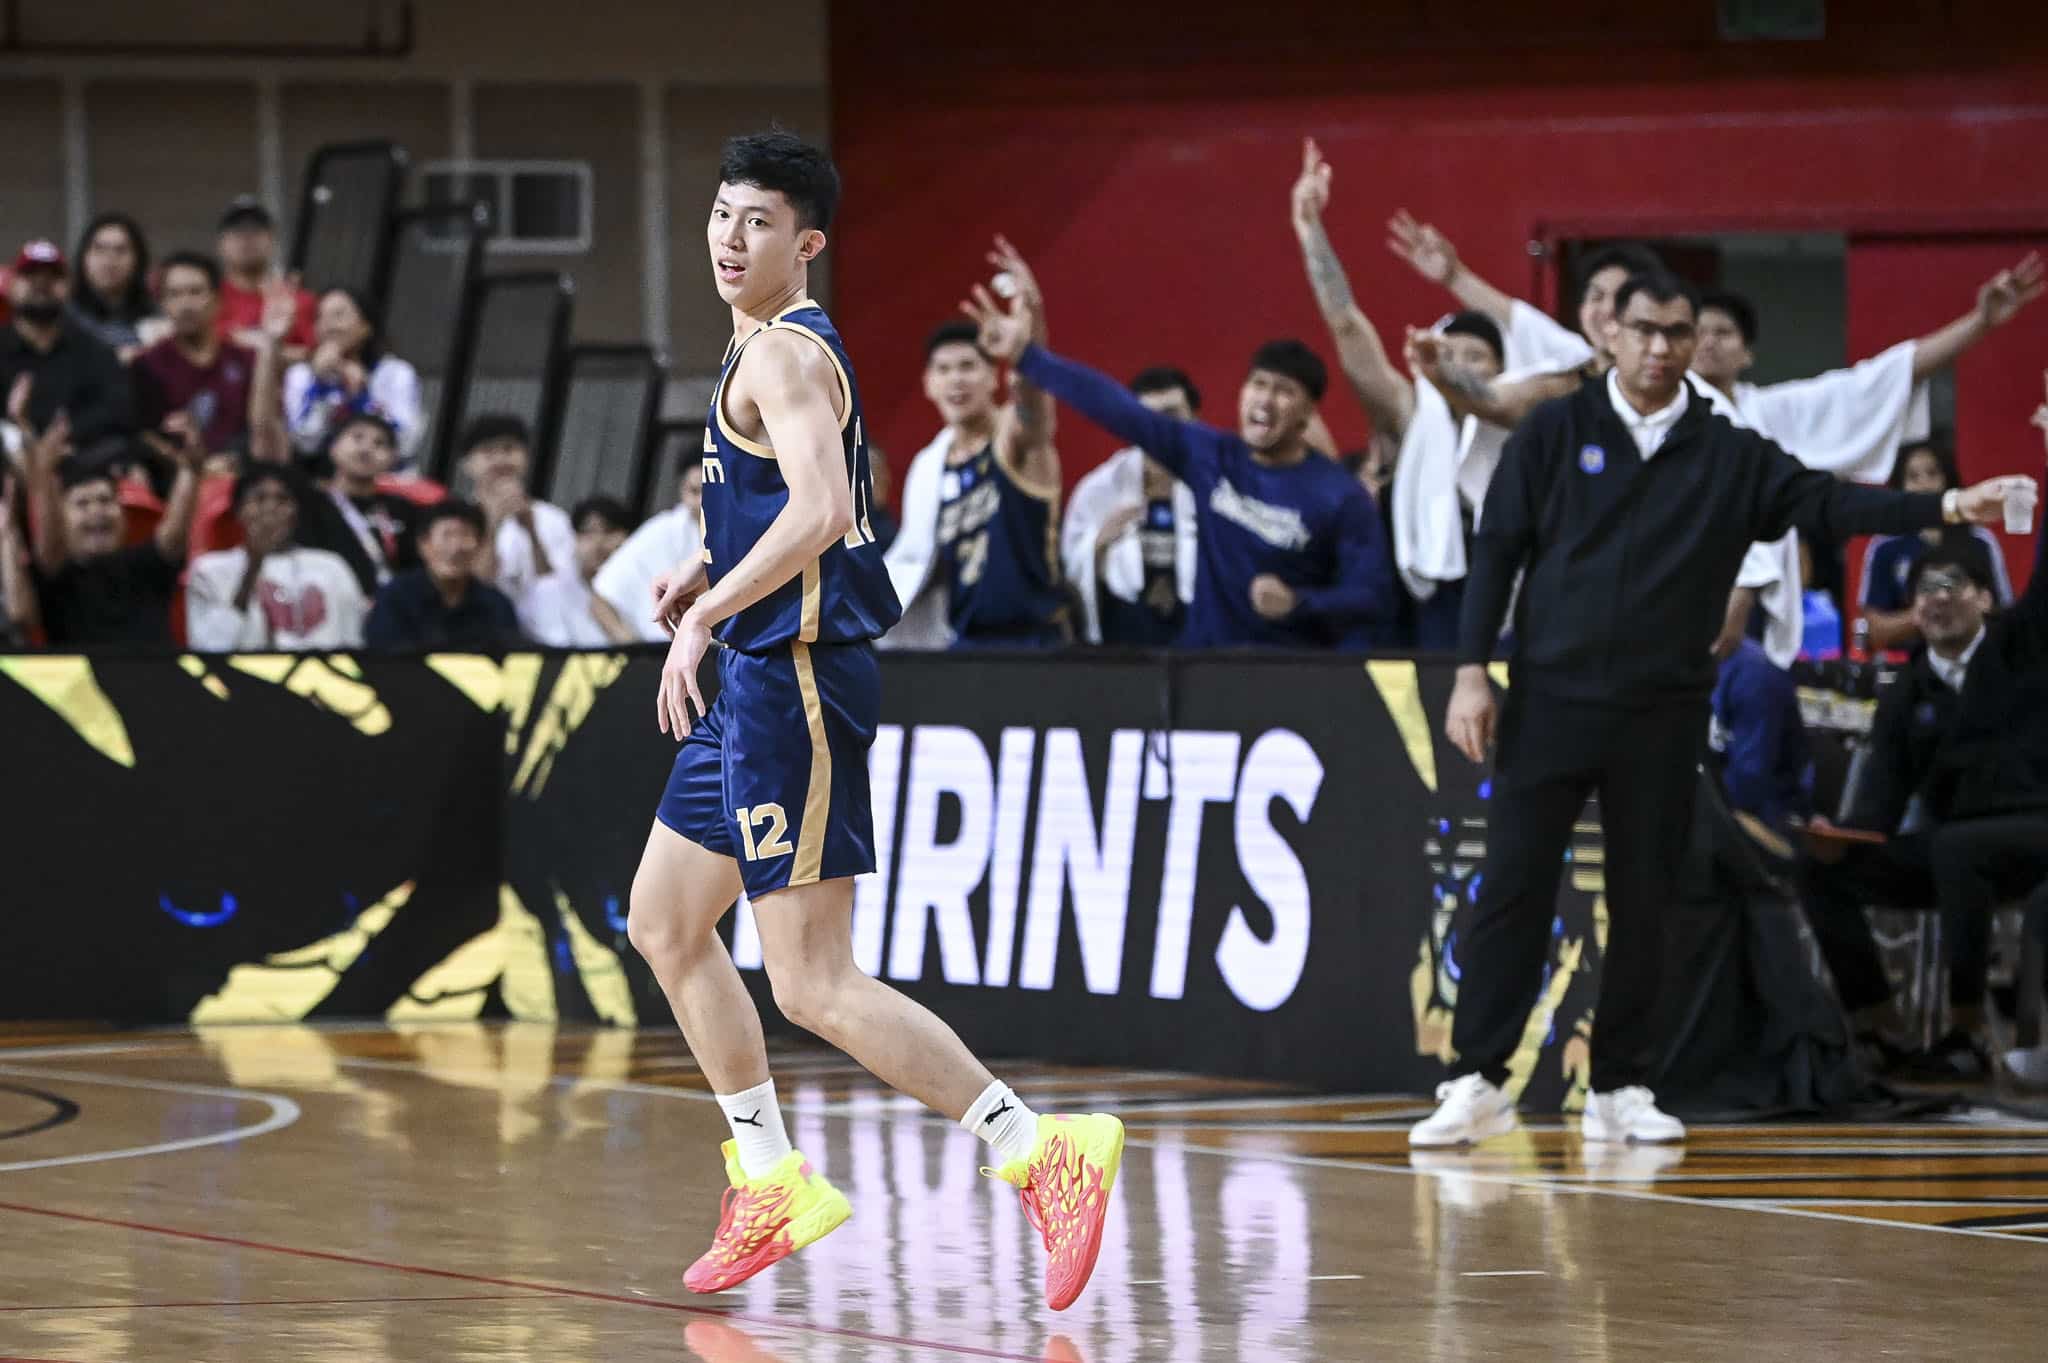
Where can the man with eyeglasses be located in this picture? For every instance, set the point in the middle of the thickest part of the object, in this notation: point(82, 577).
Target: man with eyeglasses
point(1950, 591)
point(1627, 508)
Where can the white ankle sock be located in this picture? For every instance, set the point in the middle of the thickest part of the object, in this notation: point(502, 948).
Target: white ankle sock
point(1000, 1118)
point(756, 1121)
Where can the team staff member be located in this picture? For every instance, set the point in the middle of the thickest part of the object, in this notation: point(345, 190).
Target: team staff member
point(1628, 506)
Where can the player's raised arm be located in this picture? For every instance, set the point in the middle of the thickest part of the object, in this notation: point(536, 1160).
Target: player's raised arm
point(1430, 254)
point(790, 383)
point(1024, 428)
point(1385, 393)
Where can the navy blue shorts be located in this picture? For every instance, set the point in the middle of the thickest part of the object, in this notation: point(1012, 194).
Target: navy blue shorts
point(776, 776)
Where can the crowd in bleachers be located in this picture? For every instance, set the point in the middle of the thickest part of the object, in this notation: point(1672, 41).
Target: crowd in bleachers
point(200, 450)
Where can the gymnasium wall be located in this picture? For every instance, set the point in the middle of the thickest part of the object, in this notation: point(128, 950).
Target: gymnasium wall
point(1228, 866)
point(1141, 154)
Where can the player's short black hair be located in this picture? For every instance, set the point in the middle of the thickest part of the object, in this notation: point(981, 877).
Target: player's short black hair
point(482, 430)
point(1291, 359)
point(610, 510)
point(255, 476)
point(1964, 553)
point(192, 260)
point(452, 509)
point(1480, 327)
point(957, 332)
point(780, 161)
point(1951, 474)
point(1659, 286)
point(1631, 256)
point(324, 461)
point(1739, 309)
point(1165, 378)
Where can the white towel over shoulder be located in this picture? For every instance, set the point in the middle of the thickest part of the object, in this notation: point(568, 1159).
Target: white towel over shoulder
point(1119, 483)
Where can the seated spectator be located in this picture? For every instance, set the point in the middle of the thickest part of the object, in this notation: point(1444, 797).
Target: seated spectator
point(17, 592)
point(1888, 562)
point(525, 539)
point(1820, 620)
point(564, 611)
point(349, 372)
point(443, 603)
point(345, 513)
point(252, 285)
point(662, 543)
point(194, 371)
point(272, 593)
point(1950, 593)
point(69, 371)
point(1989, 786)
point(1128, 541)
point(1290, 548)
point(110, 286)
point(1767, 768)
point(89, 588)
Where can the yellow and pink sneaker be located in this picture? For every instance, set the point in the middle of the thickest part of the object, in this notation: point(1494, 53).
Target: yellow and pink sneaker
point(1065, 1187)
point(765, 1220)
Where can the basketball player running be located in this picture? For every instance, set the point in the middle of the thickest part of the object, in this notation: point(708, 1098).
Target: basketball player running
point(770, 790)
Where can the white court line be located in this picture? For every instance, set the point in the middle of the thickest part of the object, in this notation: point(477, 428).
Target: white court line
point(1507, 1273)
point(283, 1112)
point(1539, 1184)
point(91, 1048)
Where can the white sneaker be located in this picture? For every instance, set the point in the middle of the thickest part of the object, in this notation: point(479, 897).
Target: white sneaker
point(1630, 1115)
point(1469, 1109)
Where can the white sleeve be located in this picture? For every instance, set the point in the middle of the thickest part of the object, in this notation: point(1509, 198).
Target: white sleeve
point(395, 389)
point(308, 423)
point(1536, 341)
point(663, 542)
point(1094, 501)
point(347, 608)
point(1848, 422)
point(212, 624)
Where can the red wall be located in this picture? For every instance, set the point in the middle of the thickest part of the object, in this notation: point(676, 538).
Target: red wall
point(1140, 154)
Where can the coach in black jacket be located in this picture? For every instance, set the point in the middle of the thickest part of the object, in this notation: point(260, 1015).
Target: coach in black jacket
point(1628, 506)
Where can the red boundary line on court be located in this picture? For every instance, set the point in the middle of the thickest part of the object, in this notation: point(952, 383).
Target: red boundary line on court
point(657, 1303)
point(279, 1301)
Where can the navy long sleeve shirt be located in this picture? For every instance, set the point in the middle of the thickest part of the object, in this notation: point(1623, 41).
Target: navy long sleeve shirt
point(1309, 524)
point(1769, 767)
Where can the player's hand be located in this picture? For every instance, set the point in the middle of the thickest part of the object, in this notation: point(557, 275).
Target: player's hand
point(1428, 252)
point(1424, 352)
point(675, 592)
point(1472, 716)
point(1118, 521)
point(1273, 598)
point(679, 675)
point(2006, 292)
point(1311, 193)
point(1984, 504)
point(1004, 335)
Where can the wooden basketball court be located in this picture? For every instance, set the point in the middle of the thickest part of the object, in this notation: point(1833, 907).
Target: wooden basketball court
point(527, 1193)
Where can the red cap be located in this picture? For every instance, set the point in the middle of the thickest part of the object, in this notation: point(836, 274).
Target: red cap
point(39, 254)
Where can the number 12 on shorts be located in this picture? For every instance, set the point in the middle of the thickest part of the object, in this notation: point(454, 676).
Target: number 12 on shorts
point(770, 817)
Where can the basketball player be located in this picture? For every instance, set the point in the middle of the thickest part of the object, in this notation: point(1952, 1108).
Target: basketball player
point(770, 790)
point(993, 556)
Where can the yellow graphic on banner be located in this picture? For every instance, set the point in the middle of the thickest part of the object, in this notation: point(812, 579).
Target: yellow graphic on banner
point(569, 703)
point(196, 669)
point(68, 686)
point(1400, 688)
point(332, 688)
point(604, 978)
point(288, 985)
point(513, 955)
point(478, 678)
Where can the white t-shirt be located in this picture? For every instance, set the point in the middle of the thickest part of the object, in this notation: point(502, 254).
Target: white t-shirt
point(662, 544)
point(305, 599)
point(518, 571)
point(560, 613)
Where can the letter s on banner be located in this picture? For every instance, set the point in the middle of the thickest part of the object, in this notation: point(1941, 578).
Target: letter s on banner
point(1263, 973)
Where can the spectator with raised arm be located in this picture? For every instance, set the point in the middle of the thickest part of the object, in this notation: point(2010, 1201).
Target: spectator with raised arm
point(271, 593)
point(90, 589)
point(253, 284)
point(1290, 548)
point(350, 371)
point(443, 603)
point(110, 286)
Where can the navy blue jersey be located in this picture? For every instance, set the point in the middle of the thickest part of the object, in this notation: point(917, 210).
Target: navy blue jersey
point(844, 594)
point(999, 547)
